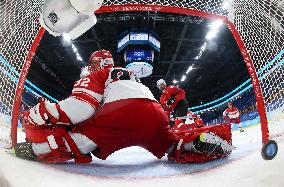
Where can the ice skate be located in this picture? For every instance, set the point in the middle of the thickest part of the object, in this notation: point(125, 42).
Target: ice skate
point(214, 139)
point(24, 150)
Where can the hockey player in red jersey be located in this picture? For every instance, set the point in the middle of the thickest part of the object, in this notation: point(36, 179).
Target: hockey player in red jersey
point(191, 121)
point(108, 110)
point(173, 100)
point(199, 122)
point(233, 115)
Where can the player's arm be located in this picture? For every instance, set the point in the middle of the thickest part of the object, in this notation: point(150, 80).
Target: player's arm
point(79, 106)
point(180, 94)
point(163, 102)
point(176, 94)
point(237, 113)
point(225, 114)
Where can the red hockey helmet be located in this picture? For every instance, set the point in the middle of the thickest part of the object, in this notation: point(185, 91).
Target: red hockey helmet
point(100, 59)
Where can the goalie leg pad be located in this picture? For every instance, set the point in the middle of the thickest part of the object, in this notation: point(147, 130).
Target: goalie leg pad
point(63, 148)
point(61, 144)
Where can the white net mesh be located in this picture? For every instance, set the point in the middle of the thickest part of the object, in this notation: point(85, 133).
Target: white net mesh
point(18, 28)
point(259, 23)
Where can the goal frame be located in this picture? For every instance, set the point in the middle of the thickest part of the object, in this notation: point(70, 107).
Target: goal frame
point(150, 8)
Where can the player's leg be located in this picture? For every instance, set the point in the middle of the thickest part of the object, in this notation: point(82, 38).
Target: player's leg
point(125, 123)
point(181, 108)
point(203, 144)
point(238, 121)
point(163, 140)
point(198, 146)
point(211, 142)
point(53, 144)
point(180, 111)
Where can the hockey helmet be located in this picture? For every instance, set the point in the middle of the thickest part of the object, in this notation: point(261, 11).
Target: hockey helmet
point(100, 59)
point(161, 82)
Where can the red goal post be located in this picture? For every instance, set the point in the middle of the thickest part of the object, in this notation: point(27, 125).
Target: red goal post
point(256, 26)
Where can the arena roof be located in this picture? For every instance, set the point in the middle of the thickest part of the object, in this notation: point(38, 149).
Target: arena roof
point(219, 68)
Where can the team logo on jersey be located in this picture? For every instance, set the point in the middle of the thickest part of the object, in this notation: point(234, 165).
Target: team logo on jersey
point(119, 74)
point(53, 18)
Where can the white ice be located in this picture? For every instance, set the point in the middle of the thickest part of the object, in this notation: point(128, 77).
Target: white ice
point(136, 167)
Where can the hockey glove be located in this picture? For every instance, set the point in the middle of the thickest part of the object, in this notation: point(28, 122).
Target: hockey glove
point(171, 101)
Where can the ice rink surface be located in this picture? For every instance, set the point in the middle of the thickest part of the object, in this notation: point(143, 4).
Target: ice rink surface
point(136, 167)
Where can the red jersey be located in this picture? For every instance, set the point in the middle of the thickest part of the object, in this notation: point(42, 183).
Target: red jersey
point(199, 122)
point(231, 113)
point(101, 87)
point(171, 92)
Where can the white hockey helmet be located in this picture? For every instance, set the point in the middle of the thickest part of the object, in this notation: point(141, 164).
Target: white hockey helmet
point(160, 82)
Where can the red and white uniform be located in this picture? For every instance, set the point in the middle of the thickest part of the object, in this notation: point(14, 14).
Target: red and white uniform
point(171, 92)
point(232, 114)
point(191, 122)
point(109, 85)
point(199, 122)
point(107, 110)
point(113, 111)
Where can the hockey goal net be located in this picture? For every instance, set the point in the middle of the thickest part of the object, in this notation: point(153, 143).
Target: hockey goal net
point(257, 26)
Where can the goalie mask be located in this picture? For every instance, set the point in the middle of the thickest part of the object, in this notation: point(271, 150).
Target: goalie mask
point(99, 60)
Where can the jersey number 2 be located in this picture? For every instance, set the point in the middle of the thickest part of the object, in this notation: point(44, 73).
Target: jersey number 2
point(83, 82)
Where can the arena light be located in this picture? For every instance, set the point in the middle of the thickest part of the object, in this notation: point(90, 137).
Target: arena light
point(183, 78)
point(216, 24)
point(211, 34)
point(175, 81)
point(214, 29)
point(67, 42)
point(66, 38)
point(76, 53)
point(190, 68)
point(204, 46)
point(202, 49)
